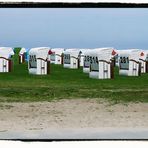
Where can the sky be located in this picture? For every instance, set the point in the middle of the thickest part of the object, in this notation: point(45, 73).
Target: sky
point(121, 28)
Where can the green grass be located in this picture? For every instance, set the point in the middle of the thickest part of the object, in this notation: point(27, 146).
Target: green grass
point(20, 86)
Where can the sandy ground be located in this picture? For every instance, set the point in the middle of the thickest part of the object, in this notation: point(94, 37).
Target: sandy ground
point(71, 114)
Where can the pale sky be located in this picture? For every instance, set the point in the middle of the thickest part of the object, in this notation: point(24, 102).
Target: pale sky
point(120, 28)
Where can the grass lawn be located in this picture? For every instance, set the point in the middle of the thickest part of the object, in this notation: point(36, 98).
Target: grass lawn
point(20, 86)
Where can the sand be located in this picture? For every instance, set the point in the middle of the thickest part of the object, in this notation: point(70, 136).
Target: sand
point(71, 114)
